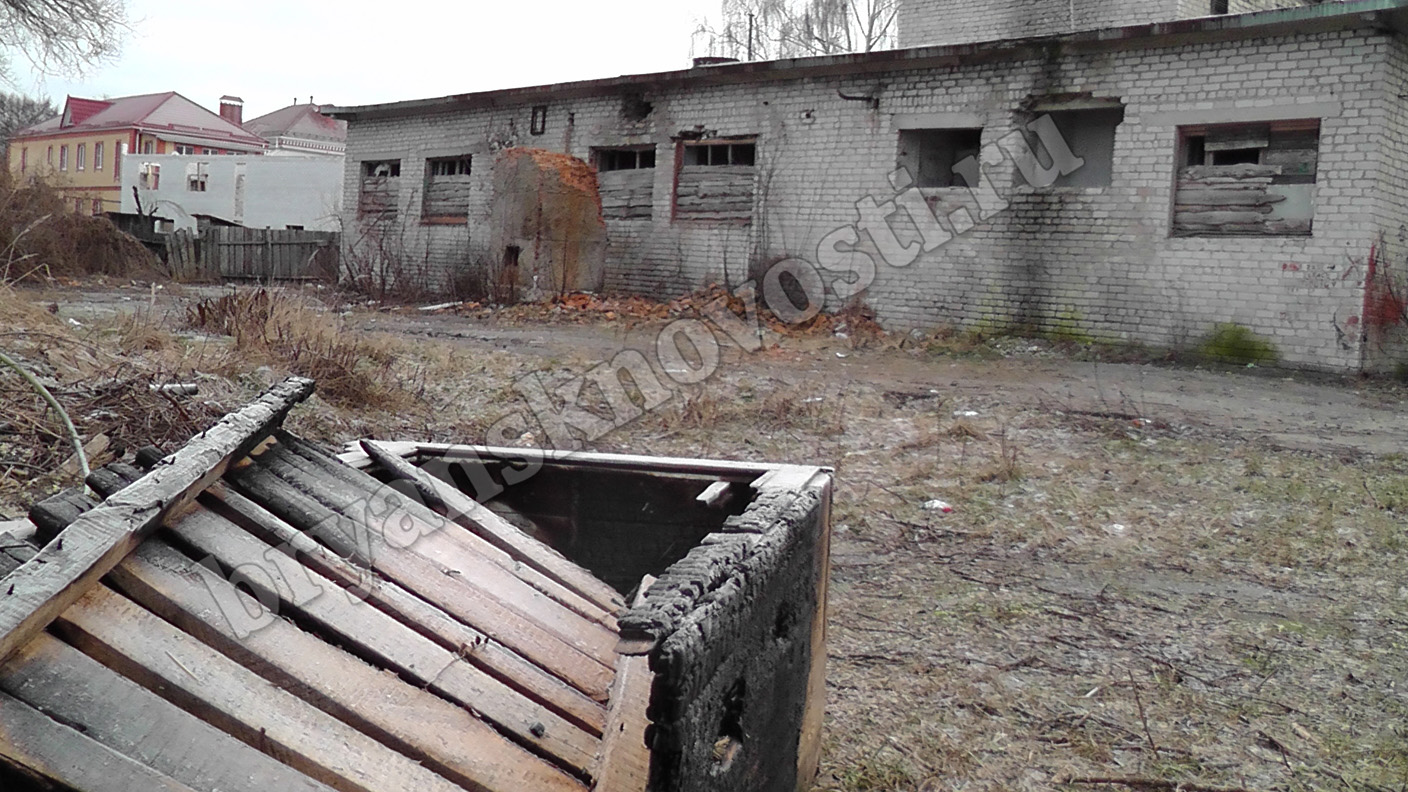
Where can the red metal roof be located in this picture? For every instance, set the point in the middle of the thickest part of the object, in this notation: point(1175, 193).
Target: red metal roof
point(157, 112)
point(300, 121)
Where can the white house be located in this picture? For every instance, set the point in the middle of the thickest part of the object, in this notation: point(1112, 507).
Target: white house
point(301, 192)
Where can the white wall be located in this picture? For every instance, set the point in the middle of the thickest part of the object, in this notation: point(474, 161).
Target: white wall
point(253, 191)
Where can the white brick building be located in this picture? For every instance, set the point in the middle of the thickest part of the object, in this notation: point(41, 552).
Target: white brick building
point(1279, 137)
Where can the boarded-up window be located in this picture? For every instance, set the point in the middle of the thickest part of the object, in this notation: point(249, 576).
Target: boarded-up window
point(149, 177)
point(196, 176)
point(932, 156)
point(1247, 179)
point(626, 178)
point(716, 180)
point(381, 188)
point(446, 190)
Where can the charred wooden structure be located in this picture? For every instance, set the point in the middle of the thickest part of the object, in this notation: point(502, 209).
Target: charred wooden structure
point(253, 612)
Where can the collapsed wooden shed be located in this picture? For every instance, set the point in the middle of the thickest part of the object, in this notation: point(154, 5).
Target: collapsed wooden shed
point(253, 612)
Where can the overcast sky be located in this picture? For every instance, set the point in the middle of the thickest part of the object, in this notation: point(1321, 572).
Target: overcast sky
point(356, 52)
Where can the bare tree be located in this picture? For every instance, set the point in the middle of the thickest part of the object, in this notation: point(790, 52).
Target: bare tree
point(772, 29)
point(18, 112)
point(61, 36)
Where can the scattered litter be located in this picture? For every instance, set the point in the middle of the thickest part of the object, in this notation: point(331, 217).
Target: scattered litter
point(938, 506)
point(965, 414)
point(841, 354)
point(814, 399)
point(1115, 529)
point(74, 322)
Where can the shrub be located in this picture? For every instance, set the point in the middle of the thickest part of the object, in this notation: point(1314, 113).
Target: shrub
point(1233, 343)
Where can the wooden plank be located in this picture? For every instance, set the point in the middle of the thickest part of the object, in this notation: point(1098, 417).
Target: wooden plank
point(443, 736)
point(107, 708)
point(548, 585)
point(478, 519)
point(623, 765)
point(67, 757)
point(376, 637)
point(703, 468)
point(404, 523)
point(432, 622)
point(89, 548)
point(425, 578)
point(142, 647)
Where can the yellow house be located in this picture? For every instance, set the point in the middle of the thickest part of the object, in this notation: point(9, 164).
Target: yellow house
point(81, 151)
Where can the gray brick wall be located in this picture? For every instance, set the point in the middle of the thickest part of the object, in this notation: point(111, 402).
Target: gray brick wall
point(1098, 262)
point(932, 22)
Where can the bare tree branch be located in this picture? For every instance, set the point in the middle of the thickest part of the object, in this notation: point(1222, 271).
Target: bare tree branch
point(62, 36)
point(799, 28)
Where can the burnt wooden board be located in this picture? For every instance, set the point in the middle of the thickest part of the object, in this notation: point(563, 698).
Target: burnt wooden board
point(525, 586)
point(624, 762)
point(426, 619)
point(127, 719)
point(373, 635)
point(155, 654)
point(478, 519)
point(445, 737)
point(70, 758)
point(431, 581)
point(89, 548)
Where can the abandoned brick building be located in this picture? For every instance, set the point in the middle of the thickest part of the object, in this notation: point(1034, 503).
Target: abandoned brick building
point(1238, 162)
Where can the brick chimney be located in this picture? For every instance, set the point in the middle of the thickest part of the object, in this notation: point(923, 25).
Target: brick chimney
point(232, 109)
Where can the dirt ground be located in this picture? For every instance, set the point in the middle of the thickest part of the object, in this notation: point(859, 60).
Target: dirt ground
point(1155, 574)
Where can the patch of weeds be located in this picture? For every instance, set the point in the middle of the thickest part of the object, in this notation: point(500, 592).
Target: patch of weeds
point(1232, 343)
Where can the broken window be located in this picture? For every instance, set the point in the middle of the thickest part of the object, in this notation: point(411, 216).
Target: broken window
point(446, 189)
point(634, 108)
point(196, 176)
point(932, 156)
point(716, 180)
point(1089, 134)
point(1220, 6)
point(539, 123)
point(626, 179)
point(149, 177)
point(380, 189)
point(1247, 179)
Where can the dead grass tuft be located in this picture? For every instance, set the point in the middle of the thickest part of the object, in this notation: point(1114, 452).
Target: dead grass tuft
point(350, 368)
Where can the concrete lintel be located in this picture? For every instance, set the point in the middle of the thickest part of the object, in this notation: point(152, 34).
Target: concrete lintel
point(1287, 110)
point(956, 120)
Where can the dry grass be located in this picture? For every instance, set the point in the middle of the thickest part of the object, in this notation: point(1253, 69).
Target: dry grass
point(42, 238)
point(352, 370)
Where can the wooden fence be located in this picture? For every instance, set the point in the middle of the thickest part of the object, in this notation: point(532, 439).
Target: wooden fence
point(253, 254)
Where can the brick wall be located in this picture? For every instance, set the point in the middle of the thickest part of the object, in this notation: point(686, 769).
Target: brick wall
point(1096, 262)
point(932, 22)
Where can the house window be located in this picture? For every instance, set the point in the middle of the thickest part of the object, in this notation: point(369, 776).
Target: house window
point(380, 189)
point(539, 123)
point(182, 148)
point(82, 155)
point(933, 156)
point(97, 156)
point(78, 206)
point(51, 156)
point(63, 158)
point(1089, 135)
point(196, 176)
point(716, 180)
point(149, 147)
point(24, 160)
point(149, 178)
point(626, 180)
point(97, 205)
point(1220, 6)
point(118, 147)
point(1247, 179)
point(446, 190)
